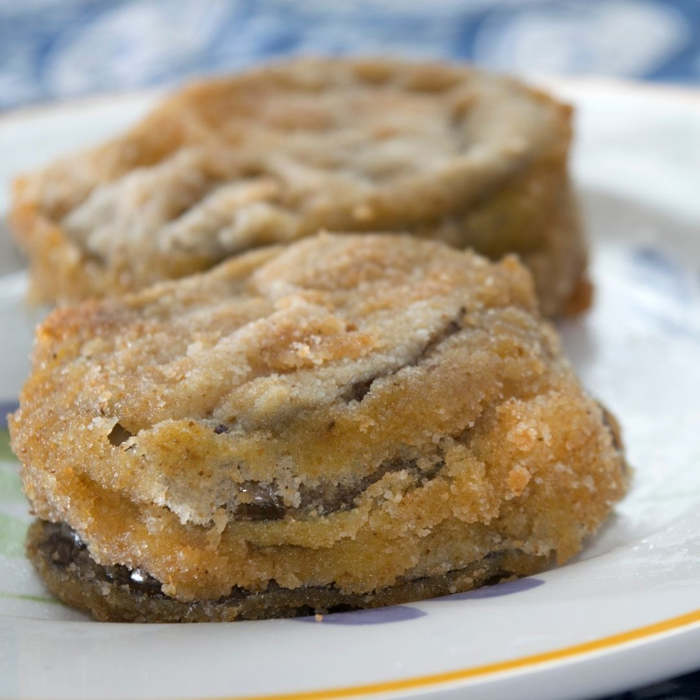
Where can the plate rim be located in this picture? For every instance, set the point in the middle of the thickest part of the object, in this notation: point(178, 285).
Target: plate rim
point(592, 82)
point(462, 678)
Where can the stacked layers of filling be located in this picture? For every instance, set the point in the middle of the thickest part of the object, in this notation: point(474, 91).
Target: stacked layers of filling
point(351, 420)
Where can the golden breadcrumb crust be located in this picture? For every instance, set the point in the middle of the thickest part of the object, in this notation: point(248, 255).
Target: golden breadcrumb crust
point(358, 411)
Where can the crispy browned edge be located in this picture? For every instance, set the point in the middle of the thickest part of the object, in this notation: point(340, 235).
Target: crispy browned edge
point(87, 588)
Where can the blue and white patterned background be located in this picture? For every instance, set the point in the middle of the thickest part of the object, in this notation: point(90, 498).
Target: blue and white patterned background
point(53, 49)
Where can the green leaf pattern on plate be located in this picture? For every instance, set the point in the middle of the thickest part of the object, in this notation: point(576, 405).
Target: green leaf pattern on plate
point(5, 451)
point(12, 528)
point(12, 532)
point(10, 484)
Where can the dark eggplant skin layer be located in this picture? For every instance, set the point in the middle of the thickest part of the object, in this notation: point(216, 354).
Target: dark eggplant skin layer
point(117, 594)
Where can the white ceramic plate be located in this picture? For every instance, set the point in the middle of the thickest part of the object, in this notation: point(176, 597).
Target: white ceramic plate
point(625, 613)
